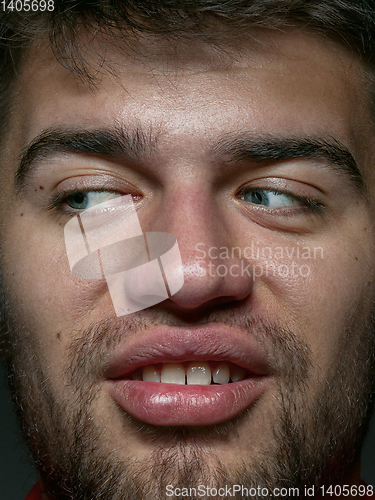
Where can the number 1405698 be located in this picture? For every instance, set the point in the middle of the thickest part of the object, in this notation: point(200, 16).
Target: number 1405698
point(28, 5)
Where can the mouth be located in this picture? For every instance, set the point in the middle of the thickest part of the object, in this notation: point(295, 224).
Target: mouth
point(187, 376)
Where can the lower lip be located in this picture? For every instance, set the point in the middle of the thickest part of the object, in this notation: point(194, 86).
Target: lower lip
point(171, 404)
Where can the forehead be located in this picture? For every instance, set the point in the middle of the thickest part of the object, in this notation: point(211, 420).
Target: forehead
point(286, 83)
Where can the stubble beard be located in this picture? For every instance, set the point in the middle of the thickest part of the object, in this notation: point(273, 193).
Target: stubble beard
point(314, 442)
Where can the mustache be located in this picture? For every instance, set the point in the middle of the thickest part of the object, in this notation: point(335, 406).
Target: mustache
point(289, 355)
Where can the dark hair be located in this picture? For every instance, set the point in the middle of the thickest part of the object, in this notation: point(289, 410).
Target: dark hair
point(351, 22)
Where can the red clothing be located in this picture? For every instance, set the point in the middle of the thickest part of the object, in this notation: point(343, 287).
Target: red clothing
point(35, 493)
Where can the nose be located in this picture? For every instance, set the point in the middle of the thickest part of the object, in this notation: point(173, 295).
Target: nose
point(213, 271)
point(188, 260)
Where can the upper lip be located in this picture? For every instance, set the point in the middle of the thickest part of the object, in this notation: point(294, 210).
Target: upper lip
point(162, 344)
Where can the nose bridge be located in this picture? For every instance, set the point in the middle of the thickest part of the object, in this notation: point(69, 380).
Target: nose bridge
point(192, 216)
point(212, 269)
point(187, 257)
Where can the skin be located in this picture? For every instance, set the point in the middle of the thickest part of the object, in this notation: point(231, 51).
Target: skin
point(287, 84)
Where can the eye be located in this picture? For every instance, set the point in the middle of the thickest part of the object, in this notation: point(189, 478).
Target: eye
point(82, 200)
point(269, 198)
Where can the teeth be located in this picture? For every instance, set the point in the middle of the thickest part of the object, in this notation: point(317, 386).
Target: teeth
point(150, 374)
point(173, 373)
point(198, 373)
point(237, 374)
point(222, 374)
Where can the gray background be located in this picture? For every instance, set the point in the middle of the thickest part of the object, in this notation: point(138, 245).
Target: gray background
point(17, 474)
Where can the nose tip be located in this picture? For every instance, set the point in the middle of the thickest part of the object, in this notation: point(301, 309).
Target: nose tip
point(208, 282)
point(202, 227)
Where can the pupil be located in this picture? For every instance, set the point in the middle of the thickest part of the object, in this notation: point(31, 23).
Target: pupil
point(256, 197)
point(77, 199)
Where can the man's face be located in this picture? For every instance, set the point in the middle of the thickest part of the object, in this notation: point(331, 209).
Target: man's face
point(245, 157)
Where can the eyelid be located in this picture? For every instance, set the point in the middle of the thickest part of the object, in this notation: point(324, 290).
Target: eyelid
point(307, 203)
point(82, 182)
point(56, 203)
point(275, 199)
point(95, 182)
point(286, 184)
point(91, 198)
point(272, 190)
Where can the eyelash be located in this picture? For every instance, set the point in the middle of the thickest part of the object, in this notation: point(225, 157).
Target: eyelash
point(56, 203)
point(310, 204)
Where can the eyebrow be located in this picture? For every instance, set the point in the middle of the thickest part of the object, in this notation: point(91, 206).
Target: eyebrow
point(270, 148)
point(118, 142)
point(137, 143)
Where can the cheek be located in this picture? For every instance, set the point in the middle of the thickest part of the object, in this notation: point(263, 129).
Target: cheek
point(331, 305)
point(43, 294)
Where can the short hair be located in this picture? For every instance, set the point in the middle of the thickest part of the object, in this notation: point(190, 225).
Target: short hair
point(351, 23)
